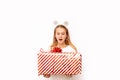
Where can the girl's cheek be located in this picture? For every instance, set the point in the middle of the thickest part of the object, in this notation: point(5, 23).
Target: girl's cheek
point(56, 36)
point(64, 37)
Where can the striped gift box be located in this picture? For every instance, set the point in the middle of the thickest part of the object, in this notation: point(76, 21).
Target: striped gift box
point(59, 63)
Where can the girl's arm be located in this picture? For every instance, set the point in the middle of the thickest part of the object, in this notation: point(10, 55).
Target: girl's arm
point(46, 75)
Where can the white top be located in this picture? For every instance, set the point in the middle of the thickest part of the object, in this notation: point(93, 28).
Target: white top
point(68, 49)
point(62, 77)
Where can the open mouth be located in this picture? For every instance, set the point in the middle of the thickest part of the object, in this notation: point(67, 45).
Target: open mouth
point(60, 39)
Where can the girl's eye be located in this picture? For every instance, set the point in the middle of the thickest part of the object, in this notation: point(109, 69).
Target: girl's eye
point(63, 34)
point(58, 33)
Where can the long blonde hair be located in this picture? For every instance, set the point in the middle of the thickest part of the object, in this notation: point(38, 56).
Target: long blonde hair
point(67, 40)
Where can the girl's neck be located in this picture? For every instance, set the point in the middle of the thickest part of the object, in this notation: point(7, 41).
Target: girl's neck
point(62, 45)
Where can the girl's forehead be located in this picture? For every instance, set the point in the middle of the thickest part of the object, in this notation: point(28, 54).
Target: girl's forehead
point(59, 29)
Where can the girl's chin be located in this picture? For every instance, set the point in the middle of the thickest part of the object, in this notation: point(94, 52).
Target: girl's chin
point(60, 42)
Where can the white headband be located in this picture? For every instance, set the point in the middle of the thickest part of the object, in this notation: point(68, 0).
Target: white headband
point(65, 23)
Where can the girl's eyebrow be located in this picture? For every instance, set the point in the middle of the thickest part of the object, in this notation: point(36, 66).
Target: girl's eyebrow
point(61, 31)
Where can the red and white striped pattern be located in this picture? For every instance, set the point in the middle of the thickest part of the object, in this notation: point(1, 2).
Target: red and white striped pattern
point(58, 63)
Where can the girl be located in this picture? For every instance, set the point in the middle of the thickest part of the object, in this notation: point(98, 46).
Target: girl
point(62, 40)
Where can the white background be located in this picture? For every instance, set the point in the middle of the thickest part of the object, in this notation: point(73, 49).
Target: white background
point(27, 25)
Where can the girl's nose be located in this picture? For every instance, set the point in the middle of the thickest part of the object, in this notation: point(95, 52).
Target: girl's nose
point(60, 35)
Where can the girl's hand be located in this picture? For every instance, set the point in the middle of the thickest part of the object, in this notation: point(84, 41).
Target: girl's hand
point(46, 75)
point(69, 75)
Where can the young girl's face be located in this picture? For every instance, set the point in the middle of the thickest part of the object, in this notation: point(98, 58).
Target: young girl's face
point(60, 35)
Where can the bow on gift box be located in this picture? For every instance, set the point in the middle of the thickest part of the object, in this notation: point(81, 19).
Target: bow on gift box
point(56, 50)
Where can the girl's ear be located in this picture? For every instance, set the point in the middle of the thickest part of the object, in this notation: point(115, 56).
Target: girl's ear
point(66, 23)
